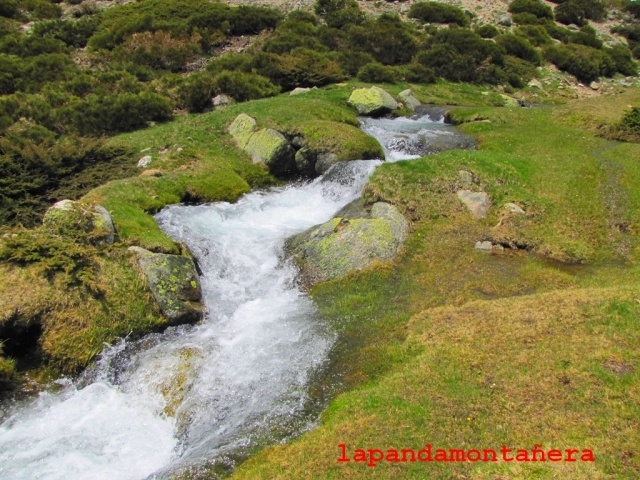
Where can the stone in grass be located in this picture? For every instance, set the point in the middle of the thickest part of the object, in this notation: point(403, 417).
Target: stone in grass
point(175, 285)
point(80, 221)
point(343, 245)
point(372, 101)
point(478, 203)
point(299, 91)
point(513, 208)
point(145, 161)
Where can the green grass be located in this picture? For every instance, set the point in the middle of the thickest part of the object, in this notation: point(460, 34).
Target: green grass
point(462, 349)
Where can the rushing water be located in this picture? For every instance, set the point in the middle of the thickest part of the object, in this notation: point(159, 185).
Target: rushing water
point(212, 392)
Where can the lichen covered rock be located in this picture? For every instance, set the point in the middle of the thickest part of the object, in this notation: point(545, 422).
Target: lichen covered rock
point(242, 128)
point(343, 245)
point(80, 221)
point(372, 101)
point(174, 282)
point(265, 145)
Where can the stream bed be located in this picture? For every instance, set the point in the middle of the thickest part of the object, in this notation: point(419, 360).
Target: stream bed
point(210, 394)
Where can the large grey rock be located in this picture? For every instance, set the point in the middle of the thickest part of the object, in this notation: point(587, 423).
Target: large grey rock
point(407, 98)
point(174, 282)
point(372, 101)
point(478, 203)
point(343, 245)
point(81, 221)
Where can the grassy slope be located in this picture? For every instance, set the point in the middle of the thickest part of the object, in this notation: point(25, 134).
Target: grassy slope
point(467, 350)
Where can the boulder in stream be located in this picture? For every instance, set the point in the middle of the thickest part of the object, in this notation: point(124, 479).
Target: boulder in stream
point(372, 101)
point(348, 243)
point(174, 282)
point(407, 98)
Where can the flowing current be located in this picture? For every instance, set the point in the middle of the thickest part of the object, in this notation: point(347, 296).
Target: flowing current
point(215, 391)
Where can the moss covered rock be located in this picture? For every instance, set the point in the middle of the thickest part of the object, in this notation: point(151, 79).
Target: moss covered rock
point(265, 145)
point(80, 221)
point(174, 282)
point(270, 147)
point(372, 101)
point(343, 245)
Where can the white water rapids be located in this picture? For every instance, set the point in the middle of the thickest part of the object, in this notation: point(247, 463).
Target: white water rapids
point(214, 391)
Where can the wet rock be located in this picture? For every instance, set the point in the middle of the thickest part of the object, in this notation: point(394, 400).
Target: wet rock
point(174, 282)
point(81, 221)
point(145, 161)
point(432, 112)
point(347, 244)
point(324, 161)
point(478, 203)
point(407, 98)
point(512, 207)
point(372, 101)
point(305, 159)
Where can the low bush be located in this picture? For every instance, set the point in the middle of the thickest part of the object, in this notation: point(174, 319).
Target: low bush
point(244, 86)
point(377, 73)
point(435, 12)
point(533, 7)
point(487, 31)
point(585, 63)
point(519, 47)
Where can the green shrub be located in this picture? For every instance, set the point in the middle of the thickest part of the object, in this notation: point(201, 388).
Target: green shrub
point(102, 114)
point(526, 18)
point(586, 36)
point(622, 59)
point(559, 33)
point(417, 73)
point(536, 34)
point(630, 122)
point(585, 63)
point(570, 12)
point(534, 7)
point(632, 7)
point(301, 68)
point(435, 12)
point(195, 92)
point(244, 86)
point(519, 47)
point(377, 73)
point(73, 33)
point(487, 31)
point(339, 13)
point(351, 61)
point(35, 171)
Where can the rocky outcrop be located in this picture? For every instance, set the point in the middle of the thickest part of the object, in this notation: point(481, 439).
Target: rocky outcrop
point(478, 203)
point(407, 98)
point(80, 221)
point(265, 145)
point(221, 100)
point(349, 242)
point(174, 282)
point(372, 101)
